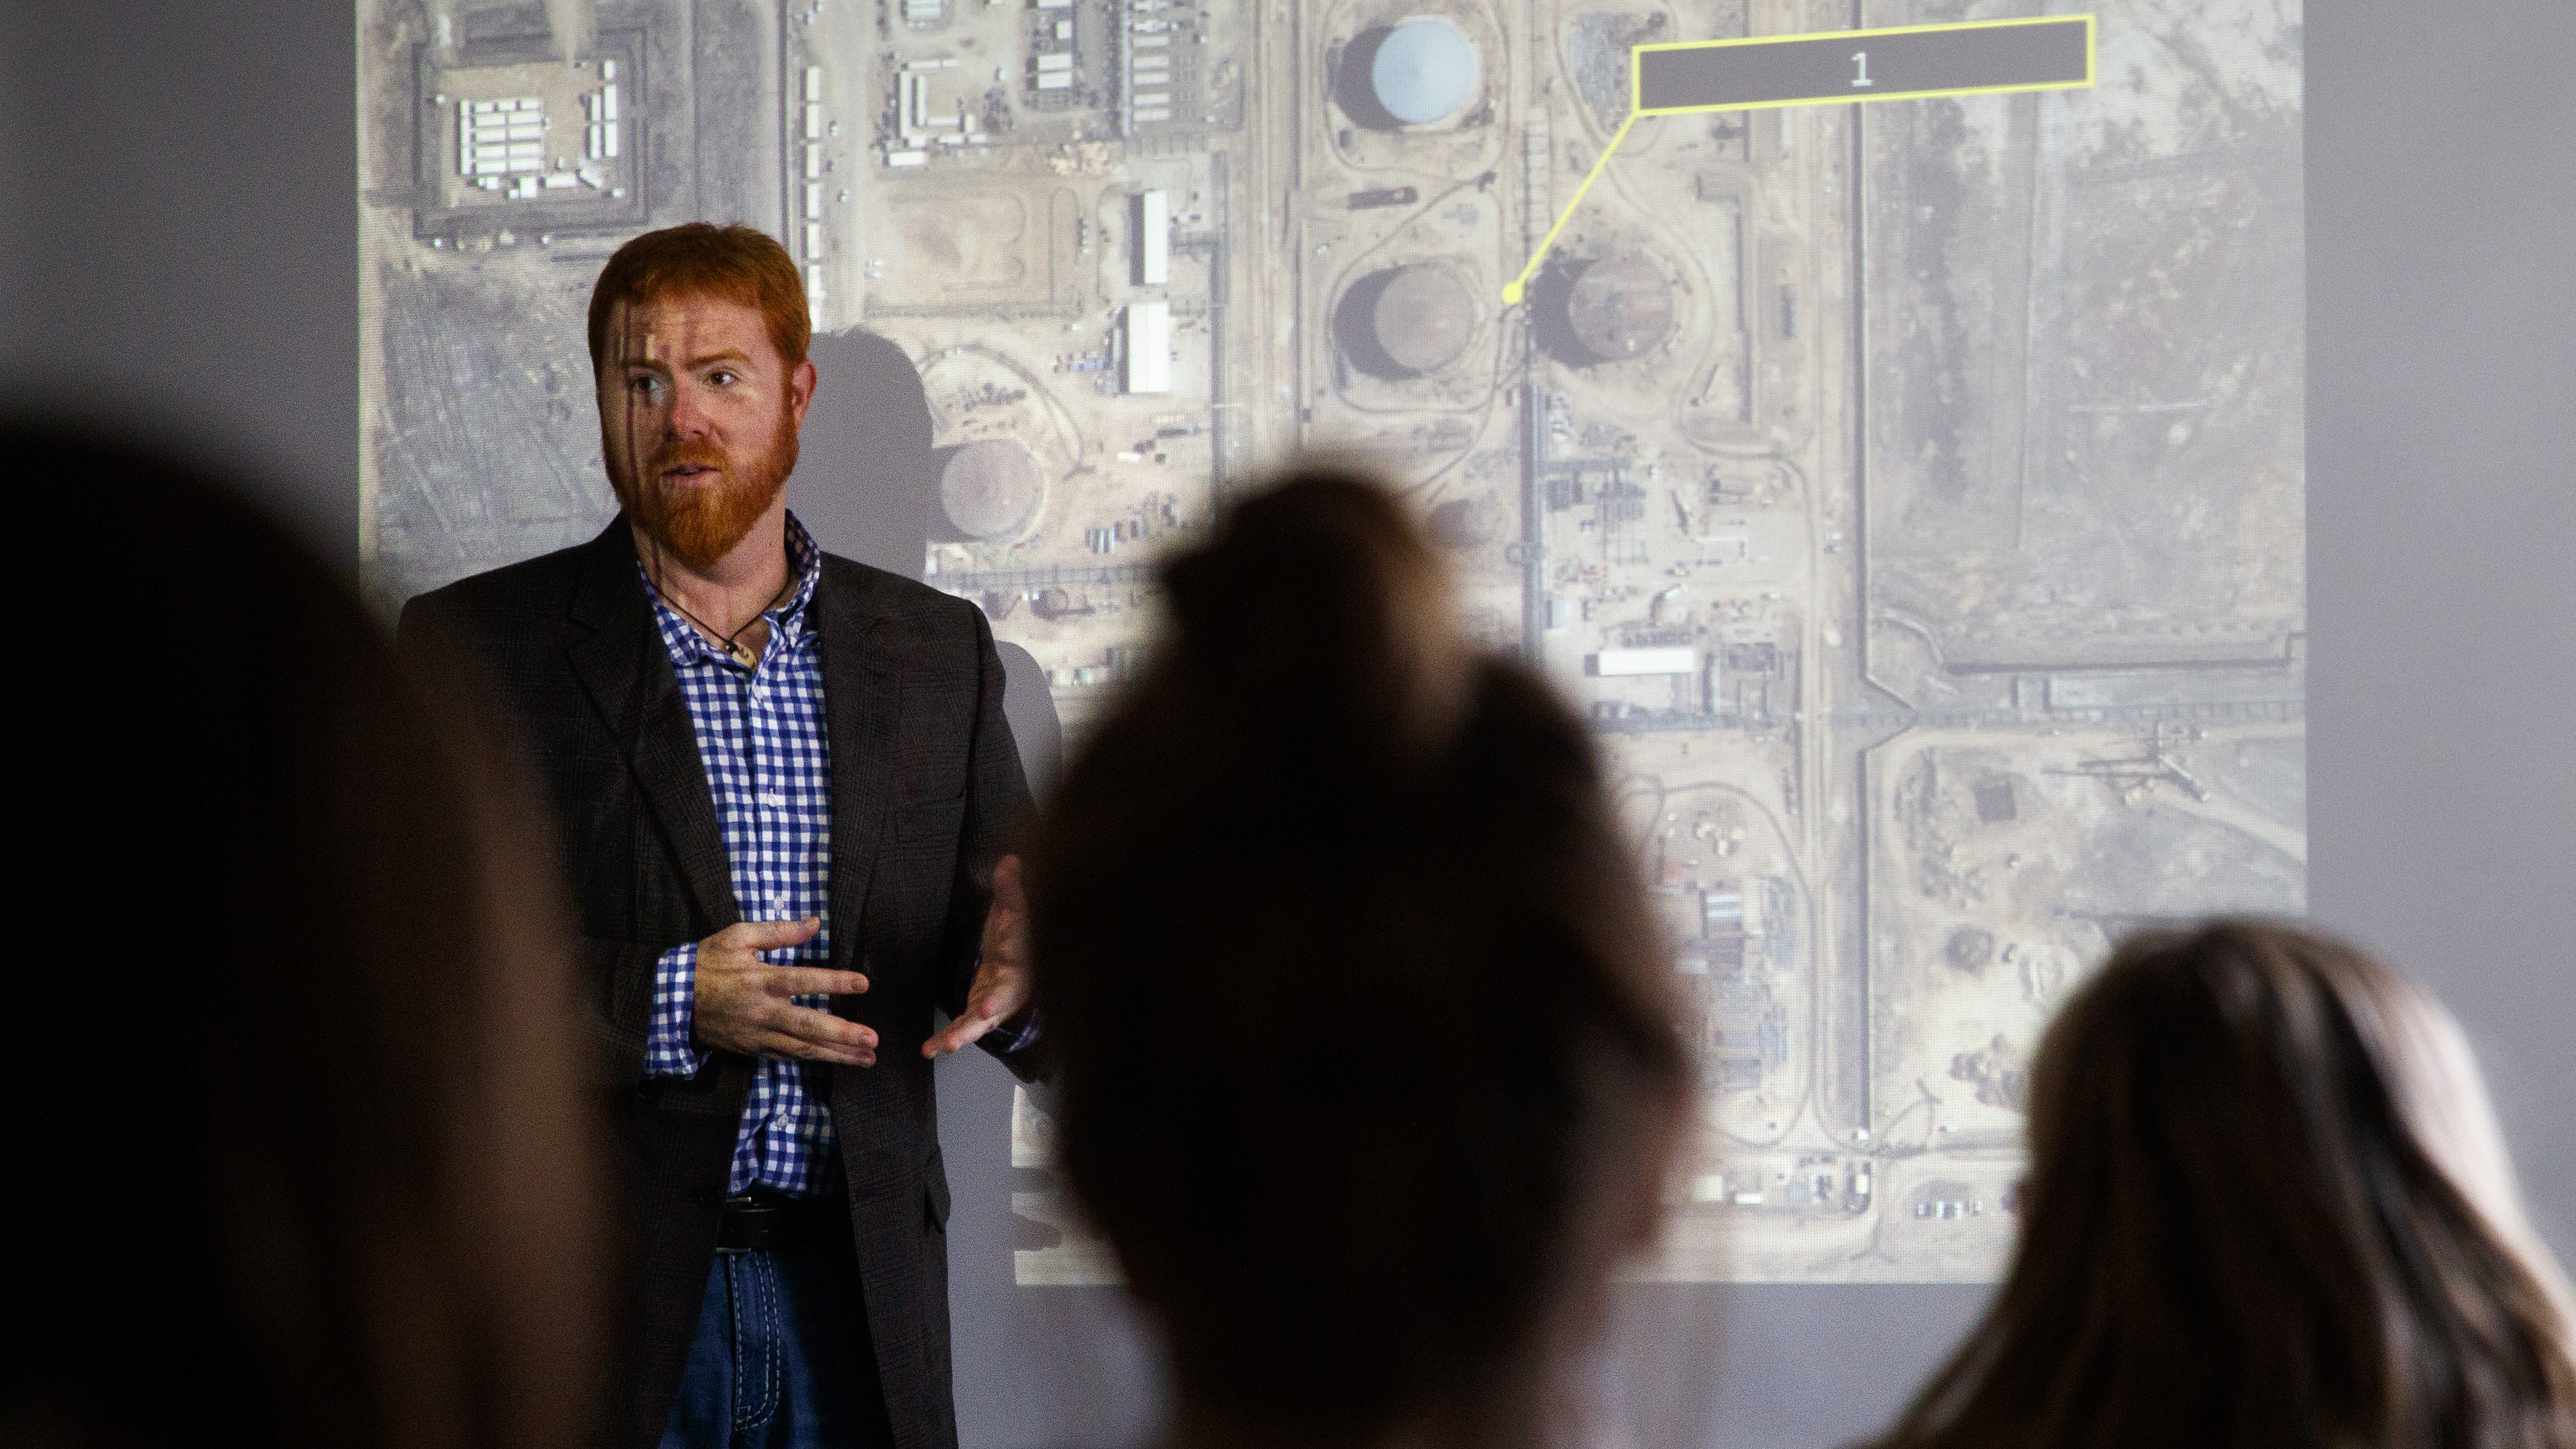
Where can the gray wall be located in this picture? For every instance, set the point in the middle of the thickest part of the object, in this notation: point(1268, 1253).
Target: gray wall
point(178, 233)
point(178, 250)
point(2441, 512)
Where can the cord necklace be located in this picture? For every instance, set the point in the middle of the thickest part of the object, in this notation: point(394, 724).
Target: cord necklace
point(734, 647)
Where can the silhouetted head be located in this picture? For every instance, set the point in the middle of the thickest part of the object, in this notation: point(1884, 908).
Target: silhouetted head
point(1365, 1063)
point(306, 1138)
point(2267, 1205)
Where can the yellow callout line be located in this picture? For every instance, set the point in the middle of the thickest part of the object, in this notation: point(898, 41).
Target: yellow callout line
point(1518, 287)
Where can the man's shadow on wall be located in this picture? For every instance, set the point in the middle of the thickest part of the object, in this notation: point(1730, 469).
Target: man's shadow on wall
point(867, 487)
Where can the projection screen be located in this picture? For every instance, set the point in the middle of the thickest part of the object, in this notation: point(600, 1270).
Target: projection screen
point(1890, 432)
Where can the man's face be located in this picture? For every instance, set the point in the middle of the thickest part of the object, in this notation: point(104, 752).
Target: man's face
point(698, 419)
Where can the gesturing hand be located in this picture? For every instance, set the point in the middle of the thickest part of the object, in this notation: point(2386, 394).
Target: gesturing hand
point(743, 1005)
point(1002, 982)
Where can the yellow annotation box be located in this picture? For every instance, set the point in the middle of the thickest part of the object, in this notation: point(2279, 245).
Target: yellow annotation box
point(1893, 63)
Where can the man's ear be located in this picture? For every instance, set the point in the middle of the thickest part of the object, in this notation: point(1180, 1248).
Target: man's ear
point(800, 388)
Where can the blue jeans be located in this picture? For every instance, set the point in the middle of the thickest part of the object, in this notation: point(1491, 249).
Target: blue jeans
point(782, 1359)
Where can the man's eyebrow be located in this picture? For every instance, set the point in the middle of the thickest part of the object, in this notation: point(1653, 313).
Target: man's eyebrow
point(730, 354)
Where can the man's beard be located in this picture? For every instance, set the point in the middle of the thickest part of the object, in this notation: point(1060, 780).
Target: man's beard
point(701, 524)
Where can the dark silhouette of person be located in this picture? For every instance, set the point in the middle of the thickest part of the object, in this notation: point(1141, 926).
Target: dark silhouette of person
point(306, 1150)
point(2268, 1205)
point(1358, 1022)
point(866, 486)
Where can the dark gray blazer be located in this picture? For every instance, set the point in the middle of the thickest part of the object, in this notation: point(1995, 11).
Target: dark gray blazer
point(926, 796)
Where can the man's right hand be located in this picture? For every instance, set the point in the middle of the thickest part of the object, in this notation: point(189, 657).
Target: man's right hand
point(742, 1003)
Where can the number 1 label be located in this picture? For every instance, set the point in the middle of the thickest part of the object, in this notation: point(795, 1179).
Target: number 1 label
point(1860, 69)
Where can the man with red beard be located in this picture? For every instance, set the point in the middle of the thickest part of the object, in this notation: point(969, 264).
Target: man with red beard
point(784, 788)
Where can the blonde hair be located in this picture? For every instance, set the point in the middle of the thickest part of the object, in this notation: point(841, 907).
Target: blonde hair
point(2434, 1075)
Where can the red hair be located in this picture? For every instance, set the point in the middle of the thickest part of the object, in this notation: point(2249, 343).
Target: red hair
point(737, 263)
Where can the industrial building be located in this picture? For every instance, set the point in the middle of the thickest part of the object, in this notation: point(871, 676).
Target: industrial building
point(1147, 340)
point(1150, 217)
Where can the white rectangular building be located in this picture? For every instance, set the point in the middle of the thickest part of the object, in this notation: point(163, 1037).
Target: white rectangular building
point(1151, 220)
point(1149, 347)
point(1628, 663)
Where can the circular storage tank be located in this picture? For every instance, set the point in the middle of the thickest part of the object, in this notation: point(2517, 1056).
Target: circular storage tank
point(1619, 308)
point(991, 488)
point(1424, 70)
point(1423, 317)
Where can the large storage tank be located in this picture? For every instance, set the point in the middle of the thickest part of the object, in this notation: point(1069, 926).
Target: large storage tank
point(1425, 71)
point(1405, 321)
point(1423, 317)
point(991, 488)
point(1619, 307)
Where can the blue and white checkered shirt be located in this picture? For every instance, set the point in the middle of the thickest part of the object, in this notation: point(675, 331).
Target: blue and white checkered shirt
point(769, 763)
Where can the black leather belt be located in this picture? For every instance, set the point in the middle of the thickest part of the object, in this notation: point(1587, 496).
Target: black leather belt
point(764, 1222)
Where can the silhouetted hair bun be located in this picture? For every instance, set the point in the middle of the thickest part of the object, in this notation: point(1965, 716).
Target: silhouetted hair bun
point(1320, 601)
point(1359, 1019)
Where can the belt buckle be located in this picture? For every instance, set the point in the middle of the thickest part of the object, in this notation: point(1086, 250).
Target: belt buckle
point(752, 1224)
point(746, 1225)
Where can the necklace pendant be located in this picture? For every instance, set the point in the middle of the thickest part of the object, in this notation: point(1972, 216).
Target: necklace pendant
point(741, 651)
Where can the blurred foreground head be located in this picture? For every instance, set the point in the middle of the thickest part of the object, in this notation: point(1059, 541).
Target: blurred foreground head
point(302, 1150)
point(1365, 1064)
point(2267, 1205)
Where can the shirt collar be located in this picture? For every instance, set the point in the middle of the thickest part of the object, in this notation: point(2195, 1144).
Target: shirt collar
point(788, 623)
point(807, 560)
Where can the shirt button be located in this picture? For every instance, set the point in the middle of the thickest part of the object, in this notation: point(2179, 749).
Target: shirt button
point(774, 800)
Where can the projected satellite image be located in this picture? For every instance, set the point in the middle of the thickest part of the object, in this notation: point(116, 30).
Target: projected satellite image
point(1912, 493)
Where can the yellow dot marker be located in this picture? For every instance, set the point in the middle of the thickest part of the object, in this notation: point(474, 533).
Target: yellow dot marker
point(1518, 287)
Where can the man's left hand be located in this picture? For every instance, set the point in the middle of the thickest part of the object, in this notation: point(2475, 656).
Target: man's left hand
point(1002, 980)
